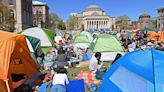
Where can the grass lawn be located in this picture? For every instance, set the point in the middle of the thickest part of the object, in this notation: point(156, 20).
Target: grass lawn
point(77, 71)
point(70, 72)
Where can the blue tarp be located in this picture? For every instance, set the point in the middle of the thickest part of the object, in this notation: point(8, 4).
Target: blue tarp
point(76, 86)
point(73, 86)
point(43, 87)
point(138, 71)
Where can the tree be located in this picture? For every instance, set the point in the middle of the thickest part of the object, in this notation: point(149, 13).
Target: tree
point(154, 23)
point(61, 25)
point(7, 22)
point(123, 22)
point(73, 23)
point(54, 20)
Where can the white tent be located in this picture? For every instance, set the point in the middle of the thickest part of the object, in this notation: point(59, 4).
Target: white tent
point(40, 34)
point(58, 38)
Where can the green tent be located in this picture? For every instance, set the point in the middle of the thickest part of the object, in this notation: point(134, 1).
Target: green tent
point(50, 34)
point(146, 29)
point(35, 42)
point(33, 45)
point(81, 39)
point(46, 36)
point(89, 35)
point(106, 43)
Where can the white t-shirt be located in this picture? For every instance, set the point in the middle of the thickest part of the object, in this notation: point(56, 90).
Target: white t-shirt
point(93, 65)
point(60, 79)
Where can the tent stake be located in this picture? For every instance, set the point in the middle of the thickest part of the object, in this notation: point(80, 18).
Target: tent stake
point(7, 85)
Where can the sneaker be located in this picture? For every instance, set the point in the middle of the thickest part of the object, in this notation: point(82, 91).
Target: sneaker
point(77, 66)
point(66, 67)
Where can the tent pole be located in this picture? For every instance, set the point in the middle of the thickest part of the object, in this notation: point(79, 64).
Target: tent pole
point(7, 85)
point(153, 70)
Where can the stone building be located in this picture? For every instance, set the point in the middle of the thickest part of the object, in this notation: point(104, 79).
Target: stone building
point(22, 13)
point(123, 22)
point(40, 14)
point(144, 21)
point(93, 17)
point(160, 20)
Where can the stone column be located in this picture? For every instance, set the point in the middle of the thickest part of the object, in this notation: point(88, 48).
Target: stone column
point(89, 24)
point(106, 24)
point(92, 24)
point(101, 24)
point(19, 15)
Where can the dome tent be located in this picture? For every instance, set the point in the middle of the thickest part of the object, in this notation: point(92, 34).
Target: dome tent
point(81, 41)
point(108, 45)
point(33, 43)
point(89, 35)
point(131, 73)
point(46, 36)
point(15, 58)
point(40, 34)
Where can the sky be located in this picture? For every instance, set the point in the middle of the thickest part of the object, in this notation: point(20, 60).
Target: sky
point(114, 8)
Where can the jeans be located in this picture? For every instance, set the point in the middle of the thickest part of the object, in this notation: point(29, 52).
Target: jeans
point(58, 88)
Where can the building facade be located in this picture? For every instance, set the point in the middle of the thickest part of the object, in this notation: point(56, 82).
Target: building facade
point(144, 21)
point(160, 20)
point(23, 14)
point(40, 14)
point(21, 11)
point(93, 17)
point(123, 22)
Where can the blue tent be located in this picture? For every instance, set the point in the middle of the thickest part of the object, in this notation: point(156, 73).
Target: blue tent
point(138, 71)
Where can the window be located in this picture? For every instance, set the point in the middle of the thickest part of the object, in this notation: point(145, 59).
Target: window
point(10, 2)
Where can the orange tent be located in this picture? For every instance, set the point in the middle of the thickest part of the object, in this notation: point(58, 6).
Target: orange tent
point(161, 36)
point(14, 58)
point(152, 35)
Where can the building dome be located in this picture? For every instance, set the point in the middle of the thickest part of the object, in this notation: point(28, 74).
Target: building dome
point(93, 8)
point(144, 15)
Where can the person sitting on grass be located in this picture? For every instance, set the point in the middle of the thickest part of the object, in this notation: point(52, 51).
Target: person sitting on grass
point(61, 58)
point(95, 63)
point(60, 80)
point(116, 58)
